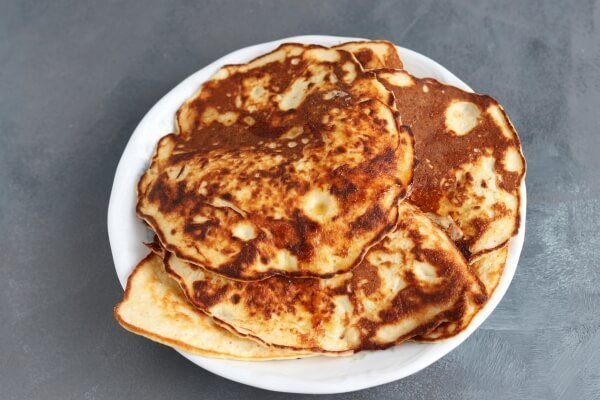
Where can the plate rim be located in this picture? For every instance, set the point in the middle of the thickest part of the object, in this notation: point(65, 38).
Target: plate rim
point(361, 380)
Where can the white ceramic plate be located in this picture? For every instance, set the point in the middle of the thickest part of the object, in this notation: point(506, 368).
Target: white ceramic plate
point(313, 375)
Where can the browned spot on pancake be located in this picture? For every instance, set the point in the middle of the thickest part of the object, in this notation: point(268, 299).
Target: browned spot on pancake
point(366, 278)
point(382, 163)
point(364, 56)
point(277, 296)
point(247, 254)
point(294, 234)
point(373, 216)
point(207, 295)
point(344, 189)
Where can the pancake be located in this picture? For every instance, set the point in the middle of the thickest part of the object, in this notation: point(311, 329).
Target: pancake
point(373, 54)
point(155, 307)
point(488, 268)
point(470, 165)
point(409, 283)
point(292, 164)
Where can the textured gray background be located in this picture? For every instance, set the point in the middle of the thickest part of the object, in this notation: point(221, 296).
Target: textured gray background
point(75, 79)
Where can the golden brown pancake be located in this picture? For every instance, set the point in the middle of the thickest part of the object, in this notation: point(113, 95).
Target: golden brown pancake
point(470, 165)
point(291, 164)
point(373, 54)
point(470, 161)
point(155, 307)
point(407, 284)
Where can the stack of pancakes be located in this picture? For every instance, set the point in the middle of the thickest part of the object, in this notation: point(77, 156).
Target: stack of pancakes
point(323, 201)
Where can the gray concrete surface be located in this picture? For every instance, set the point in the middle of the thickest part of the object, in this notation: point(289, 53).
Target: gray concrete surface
point(76, 77)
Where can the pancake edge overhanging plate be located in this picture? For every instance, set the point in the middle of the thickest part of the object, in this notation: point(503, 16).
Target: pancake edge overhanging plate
point(366, 369)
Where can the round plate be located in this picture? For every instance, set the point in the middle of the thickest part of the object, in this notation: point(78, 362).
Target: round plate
point(312, 375)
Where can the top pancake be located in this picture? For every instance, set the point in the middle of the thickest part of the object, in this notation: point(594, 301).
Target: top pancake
point(470, 164)
point(291, 164)
point(409, 283)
